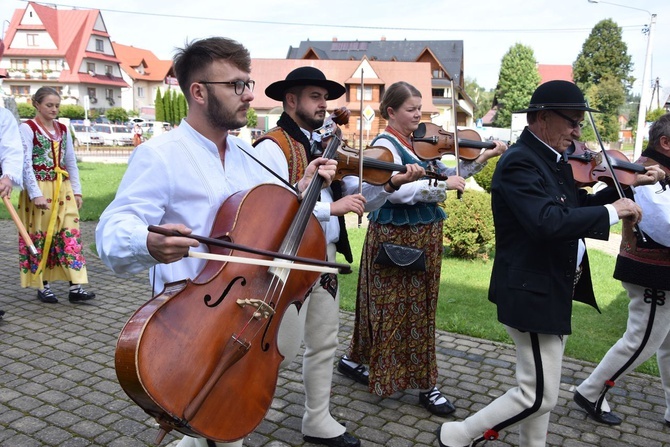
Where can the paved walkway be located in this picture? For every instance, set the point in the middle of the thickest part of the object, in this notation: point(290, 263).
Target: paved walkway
point(58, 386)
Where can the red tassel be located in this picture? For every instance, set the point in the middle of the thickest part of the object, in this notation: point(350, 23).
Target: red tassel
point(491, 435)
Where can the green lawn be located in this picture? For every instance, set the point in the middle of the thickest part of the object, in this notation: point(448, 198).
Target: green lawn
point(463, 306)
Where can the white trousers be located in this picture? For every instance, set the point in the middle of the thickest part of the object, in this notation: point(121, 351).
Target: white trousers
point(528, 405)
point(316, 325)
point(637, 345)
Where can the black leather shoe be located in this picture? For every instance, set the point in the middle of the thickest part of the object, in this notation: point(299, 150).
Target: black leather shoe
point(604, 417)
point(357, 373)
point(666, 422)
point(2, 313)
point(80, 295)
point(46, 296)
point(428, 401)
point(344, 440)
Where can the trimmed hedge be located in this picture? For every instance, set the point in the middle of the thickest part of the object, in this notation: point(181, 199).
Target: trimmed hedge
point(468, 230)
point(485, 176)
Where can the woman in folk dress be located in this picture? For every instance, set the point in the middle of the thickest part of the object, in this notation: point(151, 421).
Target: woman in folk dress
point(49, 204)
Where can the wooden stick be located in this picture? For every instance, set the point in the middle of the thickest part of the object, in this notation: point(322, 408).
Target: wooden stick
point(263, 262)
point(22, 230)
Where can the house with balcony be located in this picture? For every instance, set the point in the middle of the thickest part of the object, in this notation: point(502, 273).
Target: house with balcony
point(145, 74)
point(69, 50)
point(445, 58)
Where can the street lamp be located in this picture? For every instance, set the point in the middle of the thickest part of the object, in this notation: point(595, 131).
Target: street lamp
point(644, 97)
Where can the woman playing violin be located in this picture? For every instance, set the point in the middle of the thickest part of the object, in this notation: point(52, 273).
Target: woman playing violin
point(395, 318)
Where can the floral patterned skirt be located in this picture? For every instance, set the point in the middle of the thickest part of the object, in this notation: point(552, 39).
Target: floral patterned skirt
point(394, 331)
point(65, 261)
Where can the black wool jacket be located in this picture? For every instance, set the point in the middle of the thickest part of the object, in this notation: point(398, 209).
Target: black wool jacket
point(539, 215)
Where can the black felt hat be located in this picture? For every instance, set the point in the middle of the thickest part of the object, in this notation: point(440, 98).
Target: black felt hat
point(304, 76)
point(557, 95)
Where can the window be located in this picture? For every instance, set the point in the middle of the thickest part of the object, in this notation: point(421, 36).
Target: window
point(109, 93)
point(367, 95)
point(20, 90)
point(18, 63)
point(108, 70)
point(99, 45)
point(438, 73)
point(90, 67)
point(140, 92)
point(92, 95)
point(31, 40)
point(438, 93)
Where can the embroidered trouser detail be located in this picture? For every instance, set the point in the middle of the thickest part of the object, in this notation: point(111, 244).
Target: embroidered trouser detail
point(329, 283)
point(528, 405)
point(647, 332)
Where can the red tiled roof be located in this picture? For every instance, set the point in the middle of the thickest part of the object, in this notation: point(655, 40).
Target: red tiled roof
point(267, 71)
point(554, 73)
point(70, 31)
point(131, 57)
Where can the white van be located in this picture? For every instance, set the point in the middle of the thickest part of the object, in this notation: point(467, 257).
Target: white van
point(115, 134)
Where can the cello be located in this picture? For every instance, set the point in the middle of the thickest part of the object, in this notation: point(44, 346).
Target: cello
point(185, 355)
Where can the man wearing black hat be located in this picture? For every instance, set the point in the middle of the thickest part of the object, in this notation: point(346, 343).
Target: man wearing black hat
point(540, 218)
point(304, 94)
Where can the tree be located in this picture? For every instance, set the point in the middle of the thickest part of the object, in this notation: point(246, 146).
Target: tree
point(483, 99)
point(654, 115)
point(158, 106)
point(167, 107)
point(607, 96)
point(603, 54)
point(183, 106)
point(252, 118)
point(117, 115)
point(517, 81)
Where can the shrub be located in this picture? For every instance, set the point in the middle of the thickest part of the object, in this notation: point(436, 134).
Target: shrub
point(117, 115)
point(468, 230)
point(484, 177)
point(25, 110)
point(74, 112)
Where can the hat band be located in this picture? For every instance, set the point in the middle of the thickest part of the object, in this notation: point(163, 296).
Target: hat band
point(557, 104)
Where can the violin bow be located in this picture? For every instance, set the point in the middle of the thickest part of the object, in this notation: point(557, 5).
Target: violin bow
point(617, 184)
point(455, 118)
point(341, 268)
point(360, 150)
point(19, 225)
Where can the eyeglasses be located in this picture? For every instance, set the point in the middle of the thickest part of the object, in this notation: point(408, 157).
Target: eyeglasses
point(239, 85)
point(574, 123)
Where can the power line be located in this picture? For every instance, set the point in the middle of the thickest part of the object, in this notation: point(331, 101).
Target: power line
point(330, 25)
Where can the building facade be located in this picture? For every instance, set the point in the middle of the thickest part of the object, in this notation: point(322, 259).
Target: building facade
point(69, 50)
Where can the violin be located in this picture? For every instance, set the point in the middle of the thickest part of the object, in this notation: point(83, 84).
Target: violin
point(187, 354)
point(432, 142)
point(377, 166)
point(589, 167)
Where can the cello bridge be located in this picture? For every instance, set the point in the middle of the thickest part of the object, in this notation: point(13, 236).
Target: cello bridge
point(263, 310)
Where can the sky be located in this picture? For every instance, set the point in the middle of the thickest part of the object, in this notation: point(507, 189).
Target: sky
point(554, 29)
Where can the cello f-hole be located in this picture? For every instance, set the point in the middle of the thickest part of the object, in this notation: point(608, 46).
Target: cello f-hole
point(208, 298)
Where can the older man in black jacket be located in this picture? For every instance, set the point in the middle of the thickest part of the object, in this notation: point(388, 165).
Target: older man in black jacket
point(541, 218)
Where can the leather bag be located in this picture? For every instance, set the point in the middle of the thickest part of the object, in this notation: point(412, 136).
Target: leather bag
point(393, 255)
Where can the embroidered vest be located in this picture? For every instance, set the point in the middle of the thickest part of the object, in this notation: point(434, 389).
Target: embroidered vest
point(645, 264)
point(293, 151)
point(296, 156)
point(43, 154)
point(404, 214)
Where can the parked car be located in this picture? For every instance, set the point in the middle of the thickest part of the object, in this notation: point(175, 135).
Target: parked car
point(84, 135)
point(115, 134)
